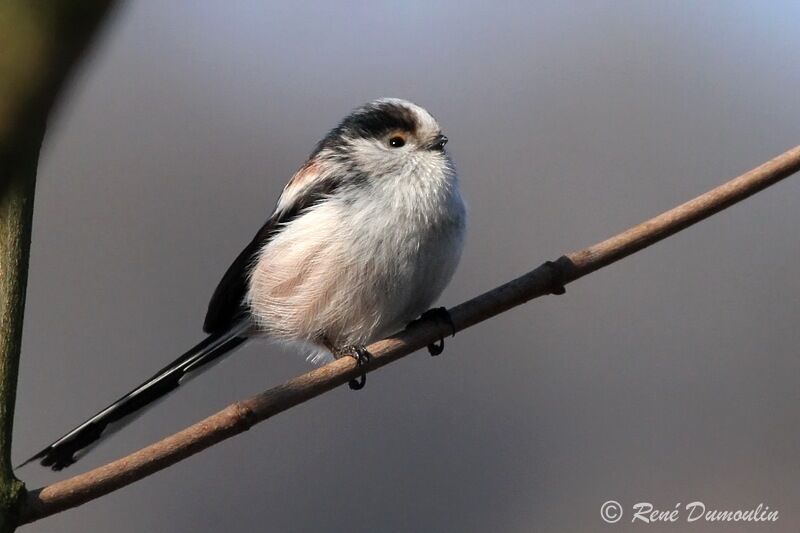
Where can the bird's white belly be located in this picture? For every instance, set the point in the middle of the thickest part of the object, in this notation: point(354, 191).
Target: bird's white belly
point(344, 274)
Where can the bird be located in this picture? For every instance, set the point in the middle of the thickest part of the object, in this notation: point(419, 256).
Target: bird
point(364, 238)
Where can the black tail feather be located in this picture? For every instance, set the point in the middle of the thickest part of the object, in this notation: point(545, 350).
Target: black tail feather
point(62, 453)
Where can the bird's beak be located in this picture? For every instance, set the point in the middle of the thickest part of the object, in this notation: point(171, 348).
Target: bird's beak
point(438, 143)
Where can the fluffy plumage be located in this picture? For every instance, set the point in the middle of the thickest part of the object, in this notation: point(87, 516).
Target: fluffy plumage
point(364, 260)
point(364, 238)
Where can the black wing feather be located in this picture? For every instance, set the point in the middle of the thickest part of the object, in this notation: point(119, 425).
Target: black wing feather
point(226, 305)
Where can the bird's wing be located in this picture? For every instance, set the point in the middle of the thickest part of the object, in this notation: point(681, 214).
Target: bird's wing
point(226, 306)
point(306, 188)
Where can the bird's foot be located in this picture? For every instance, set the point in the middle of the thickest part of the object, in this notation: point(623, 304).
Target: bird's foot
point(362, 356)
point(442, 316)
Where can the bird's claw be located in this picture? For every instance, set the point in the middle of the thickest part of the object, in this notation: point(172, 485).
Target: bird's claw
point(440, 315)
point(362, 357)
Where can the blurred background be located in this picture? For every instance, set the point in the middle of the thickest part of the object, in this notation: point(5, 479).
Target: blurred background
point(669, 377)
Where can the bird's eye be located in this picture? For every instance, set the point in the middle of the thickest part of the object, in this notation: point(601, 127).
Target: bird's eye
point(396, 141)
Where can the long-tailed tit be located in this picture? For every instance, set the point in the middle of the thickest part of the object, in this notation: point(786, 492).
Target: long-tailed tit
point(364, 238)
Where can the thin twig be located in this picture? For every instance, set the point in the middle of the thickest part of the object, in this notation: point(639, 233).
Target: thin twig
point(548, 278)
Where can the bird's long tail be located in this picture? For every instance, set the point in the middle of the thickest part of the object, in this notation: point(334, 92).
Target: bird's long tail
point(65, 450)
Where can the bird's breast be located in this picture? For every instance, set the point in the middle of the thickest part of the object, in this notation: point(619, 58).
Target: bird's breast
point(358, 265)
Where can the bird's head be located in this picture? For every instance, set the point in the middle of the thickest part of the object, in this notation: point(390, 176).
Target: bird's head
point(386, 136)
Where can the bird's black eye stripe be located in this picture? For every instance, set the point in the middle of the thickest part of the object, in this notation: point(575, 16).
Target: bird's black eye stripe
point(396, 141)
point(373, 121)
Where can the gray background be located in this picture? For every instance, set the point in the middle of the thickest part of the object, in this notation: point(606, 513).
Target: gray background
point(669, 377)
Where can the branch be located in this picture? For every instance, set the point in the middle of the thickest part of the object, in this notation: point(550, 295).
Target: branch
point(40, 43)
point(16, 213)
point(548, 278)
